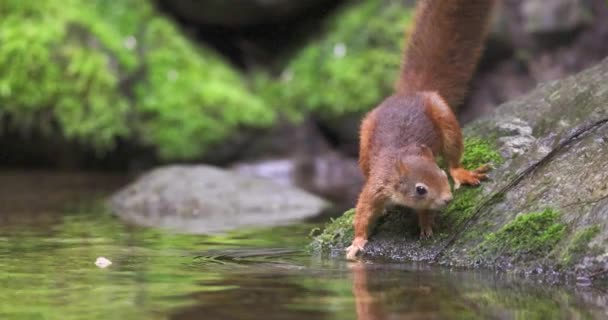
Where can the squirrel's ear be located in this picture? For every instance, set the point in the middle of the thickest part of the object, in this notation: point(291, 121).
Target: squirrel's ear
point(426, 152)
point(401, 167)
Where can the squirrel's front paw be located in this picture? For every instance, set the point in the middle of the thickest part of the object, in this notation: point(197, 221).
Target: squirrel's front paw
point(426, 232)
point(473, 178)
point(356, 246)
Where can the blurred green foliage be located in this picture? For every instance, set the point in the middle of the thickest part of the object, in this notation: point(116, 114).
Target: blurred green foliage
point(98, 71)
point(102, 70)
point(354, 65)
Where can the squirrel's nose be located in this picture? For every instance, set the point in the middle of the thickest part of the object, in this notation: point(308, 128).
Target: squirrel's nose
point(448, 199)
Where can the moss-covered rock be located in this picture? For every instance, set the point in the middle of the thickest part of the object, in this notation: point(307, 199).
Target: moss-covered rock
point(480, 151)
point(99, 71)
point(338, 233)
point(579, 244)
point(534, 233)
point(545, 207)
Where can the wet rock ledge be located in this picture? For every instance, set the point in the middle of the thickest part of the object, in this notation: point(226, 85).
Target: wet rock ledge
point(545, 209)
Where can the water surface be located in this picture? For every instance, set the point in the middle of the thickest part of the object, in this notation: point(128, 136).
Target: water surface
point(52, 231)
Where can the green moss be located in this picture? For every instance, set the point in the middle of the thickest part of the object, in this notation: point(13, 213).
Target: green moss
point(193, 98)
point(98, 71)
point(462, 208)
point(478, 151)
point(336, 233)
point(534, 233)
point(51, 73)
point(354, 65)
point(577, 247)
point(475, 232)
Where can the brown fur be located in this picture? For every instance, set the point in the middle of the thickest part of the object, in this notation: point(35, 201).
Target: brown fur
point(402, 136)
point(367, 128)
point(444, 47)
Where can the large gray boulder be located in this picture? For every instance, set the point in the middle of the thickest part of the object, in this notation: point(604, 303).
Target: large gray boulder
point(545, 209)
point(203, 199)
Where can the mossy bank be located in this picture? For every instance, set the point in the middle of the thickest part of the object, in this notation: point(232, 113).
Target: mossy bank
point(101, 72)
point(545, 207)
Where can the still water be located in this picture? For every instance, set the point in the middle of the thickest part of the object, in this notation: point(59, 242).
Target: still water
point(51, 233)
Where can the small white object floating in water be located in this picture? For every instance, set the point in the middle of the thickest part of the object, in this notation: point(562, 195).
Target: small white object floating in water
point(102, 262)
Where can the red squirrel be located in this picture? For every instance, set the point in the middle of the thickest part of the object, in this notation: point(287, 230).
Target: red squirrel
point(401, 138)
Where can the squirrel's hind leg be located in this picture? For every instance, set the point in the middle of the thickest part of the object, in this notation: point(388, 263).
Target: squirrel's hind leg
point(452, 145)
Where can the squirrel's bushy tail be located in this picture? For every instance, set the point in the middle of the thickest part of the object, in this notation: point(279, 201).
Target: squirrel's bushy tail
point(444, 47)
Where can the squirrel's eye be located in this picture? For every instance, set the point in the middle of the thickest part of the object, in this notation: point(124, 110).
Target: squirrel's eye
point(421, 189)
